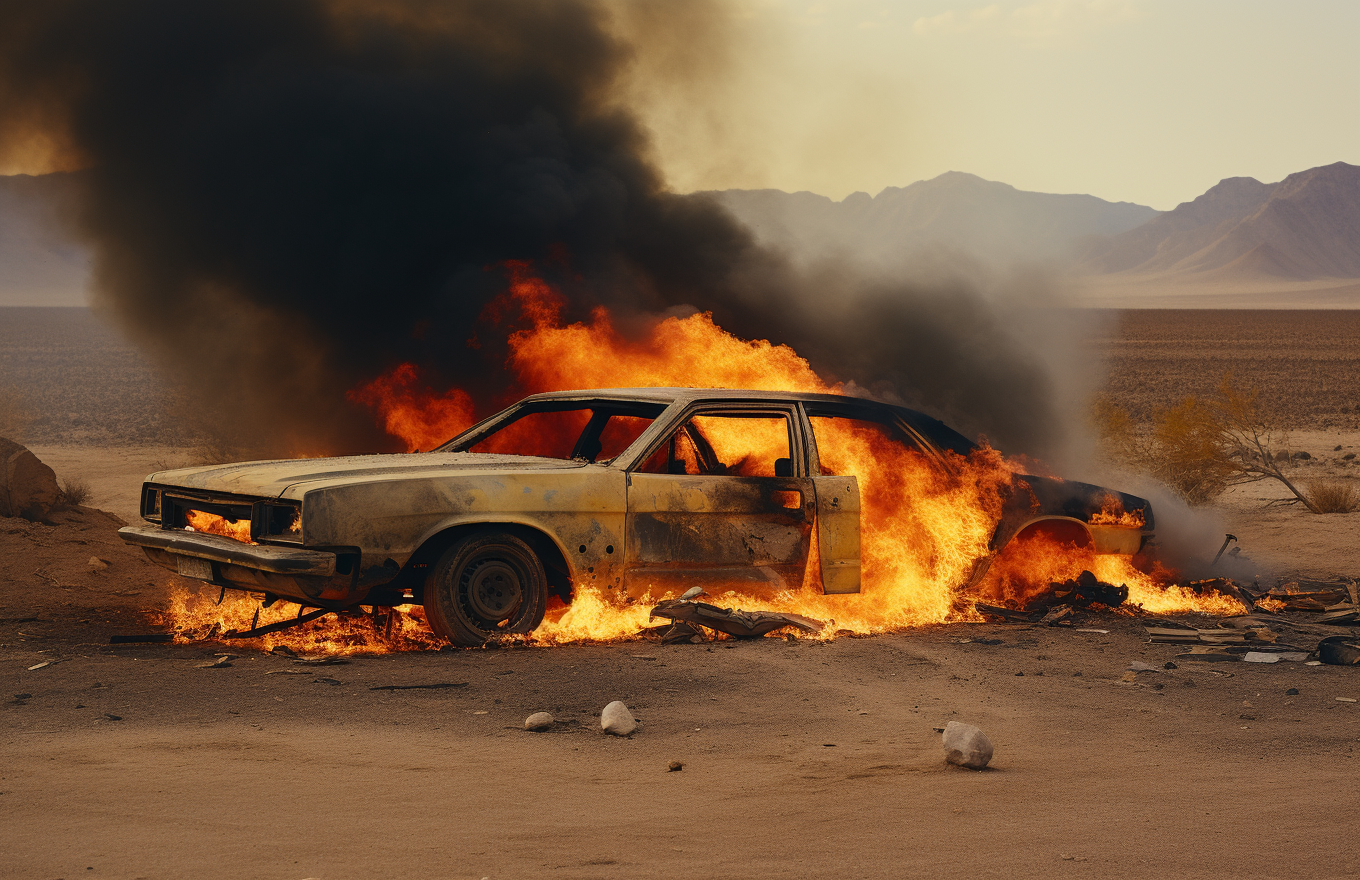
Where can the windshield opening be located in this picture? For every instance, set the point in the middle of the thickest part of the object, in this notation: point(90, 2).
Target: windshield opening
point(594, 431)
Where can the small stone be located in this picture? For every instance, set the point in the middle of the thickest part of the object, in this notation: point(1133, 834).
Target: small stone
point(1292, 692)
point(538, 721)
point(675, 766)
point(97, 564)
point(966, 746)
point(1129, 676)
point(1169, 665)
point(1018, 674)
point(617, 720)
point(112, 717)
point(1190, 682)
point(1140, 666)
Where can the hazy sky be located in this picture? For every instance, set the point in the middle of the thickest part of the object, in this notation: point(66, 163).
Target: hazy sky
point(1150, 101)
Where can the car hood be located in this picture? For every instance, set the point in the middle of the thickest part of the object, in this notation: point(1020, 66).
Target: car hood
point(1056, 497)
point(271, 479)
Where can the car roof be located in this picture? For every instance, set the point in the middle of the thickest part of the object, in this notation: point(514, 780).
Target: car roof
point(671, 395)
point(938, 432)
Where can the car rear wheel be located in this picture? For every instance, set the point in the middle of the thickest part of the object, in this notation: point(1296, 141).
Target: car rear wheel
point(486, 585)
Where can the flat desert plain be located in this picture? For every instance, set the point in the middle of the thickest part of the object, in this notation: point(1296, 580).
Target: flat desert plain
point(800, 758)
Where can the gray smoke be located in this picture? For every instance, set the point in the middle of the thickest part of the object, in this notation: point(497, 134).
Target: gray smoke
point(289, 197)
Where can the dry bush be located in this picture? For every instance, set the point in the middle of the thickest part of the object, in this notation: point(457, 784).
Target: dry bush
point(1198, 448)
point(74, 491)
point(1333, 496)
point(1187, 452)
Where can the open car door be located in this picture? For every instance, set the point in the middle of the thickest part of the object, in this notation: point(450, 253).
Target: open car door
point(838, 532)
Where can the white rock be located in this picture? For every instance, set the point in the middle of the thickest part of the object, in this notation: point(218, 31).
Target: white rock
point(616, 719)
point(538, 721)
point(966, 746)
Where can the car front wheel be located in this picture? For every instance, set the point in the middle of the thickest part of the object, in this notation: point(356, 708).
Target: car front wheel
point(486, 585)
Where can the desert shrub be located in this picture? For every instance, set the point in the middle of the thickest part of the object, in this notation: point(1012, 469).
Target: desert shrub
point(1333, 496)
point(1198, 448)
point(74, 491)
point(1188, 452)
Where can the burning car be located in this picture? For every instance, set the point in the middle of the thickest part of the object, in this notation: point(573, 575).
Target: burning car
point(627, 492)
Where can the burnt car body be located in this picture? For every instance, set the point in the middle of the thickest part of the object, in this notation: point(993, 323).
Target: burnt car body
point(622, 489)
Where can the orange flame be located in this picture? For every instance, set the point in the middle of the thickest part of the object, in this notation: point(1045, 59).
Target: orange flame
point(924, 529)
point(414, 413)
point(194, 616)
point(212, 524)
point(1112, 513)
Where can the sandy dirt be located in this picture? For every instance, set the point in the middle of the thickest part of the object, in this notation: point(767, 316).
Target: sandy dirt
point(801, 759)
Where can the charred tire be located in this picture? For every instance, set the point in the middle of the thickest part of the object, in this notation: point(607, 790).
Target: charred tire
point(486, 585)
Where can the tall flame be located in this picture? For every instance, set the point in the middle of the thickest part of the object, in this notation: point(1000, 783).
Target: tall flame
point(924, 528)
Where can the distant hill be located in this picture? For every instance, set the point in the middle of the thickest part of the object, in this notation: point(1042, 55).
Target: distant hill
point(39, 263)
point(961, 212)
point(1303, 228)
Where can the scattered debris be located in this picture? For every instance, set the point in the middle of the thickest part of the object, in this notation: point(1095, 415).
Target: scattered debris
point(1258, 657)
point(675, 766)
point(326, 681)
point(734, 622)
point(97, 564)
point(1339, 651)
point(1140, 666)
point(617, 720)
point(1103, 632)
point(538, 721)
point(1058, 605)
point(440, 685)
point(681, 633)
point(1345, 699)
point(41, 665)
point(112, 717)
point(221, 662)
point(324, 660)
point(966, 746)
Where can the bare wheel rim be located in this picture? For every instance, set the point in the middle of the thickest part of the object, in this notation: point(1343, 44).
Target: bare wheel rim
point(493, 589)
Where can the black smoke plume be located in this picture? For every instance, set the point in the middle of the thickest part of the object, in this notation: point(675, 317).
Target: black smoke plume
point(289, 197)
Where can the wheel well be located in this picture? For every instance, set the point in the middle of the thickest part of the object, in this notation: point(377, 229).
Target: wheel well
point(413, 574)
point(1064, 530)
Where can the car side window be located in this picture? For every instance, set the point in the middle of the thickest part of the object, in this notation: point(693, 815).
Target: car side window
point(721, 444)
point(850, 447)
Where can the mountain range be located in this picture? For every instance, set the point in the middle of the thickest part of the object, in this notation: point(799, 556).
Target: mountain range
point(955, 211)
point(1304, 228)
point(1243, 242)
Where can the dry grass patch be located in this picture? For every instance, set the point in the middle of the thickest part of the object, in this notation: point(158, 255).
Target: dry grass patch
point(1334, 496)
point(74, 491)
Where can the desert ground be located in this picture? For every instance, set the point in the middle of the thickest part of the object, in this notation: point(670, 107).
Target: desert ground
point(800, 758)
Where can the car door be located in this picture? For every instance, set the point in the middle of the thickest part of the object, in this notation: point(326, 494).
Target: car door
point(723, 501)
